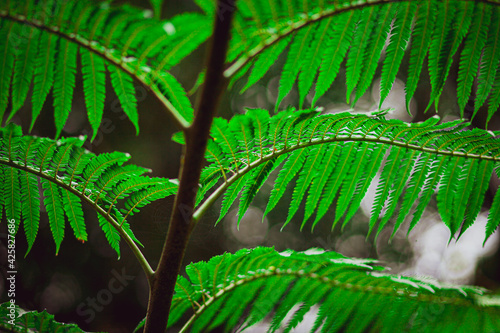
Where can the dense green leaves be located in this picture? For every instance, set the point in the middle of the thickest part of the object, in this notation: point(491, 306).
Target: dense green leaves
point(334, 157)
point(40, 43)
point(68, 176)
point(362, 29)
point(241, 289)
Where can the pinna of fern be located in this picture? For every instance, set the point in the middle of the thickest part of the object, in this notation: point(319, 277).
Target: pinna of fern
point(335, 157)
point(40, 42)
point(239, 290)
point(319, 35)
point(70, 175)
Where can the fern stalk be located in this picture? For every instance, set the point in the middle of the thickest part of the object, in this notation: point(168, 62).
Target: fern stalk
point(162, 282)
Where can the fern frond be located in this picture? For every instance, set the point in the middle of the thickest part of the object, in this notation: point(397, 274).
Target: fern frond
point(336, 156)
point(70, 175)
point(123, 38)
point(276, 284)
point(434, 27)
point(26, 321)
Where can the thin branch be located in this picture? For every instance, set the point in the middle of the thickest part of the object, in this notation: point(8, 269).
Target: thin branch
point(162, 284)
point(130, 242)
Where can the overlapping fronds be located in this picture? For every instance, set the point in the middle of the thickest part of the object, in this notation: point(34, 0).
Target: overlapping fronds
point(16, 320)
point(67, 175)
point(321, 34)
point(333, 159)
point(42, 41)
point(239, 290)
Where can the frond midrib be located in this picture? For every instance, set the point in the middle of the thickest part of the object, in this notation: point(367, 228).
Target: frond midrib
point(347, 138)
point(243, 61)
point(107, 54)
point(133, 246)
point(348, 286)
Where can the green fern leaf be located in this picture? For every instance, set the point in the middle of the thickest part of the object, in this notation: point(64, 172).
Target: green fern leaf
point(11, 193)
point(291, 167)
point(297, 52)
point(305, 178)
point(469, 59)
point(55, 211)
point(265, 61)
point(111, 234)
point(24, 68)
point(254, 182)
point(481, 183)
point(124, 88)
point(494, 101)
point(94, 87)
point(336, 48)
point(420, 43)
point(64, 84)
point(374, 48)
point(396, 48)
point(73, 210)
point(70, 176)
point(44, 73)
point(445, 42)
point(387, 178)
point(357, 53)
point(30, 207)
point(173, 90)
point(398, 185)
point(335, 157)
point(276, 284)
point(6, 65)
point(489, 61)
point(312, 59)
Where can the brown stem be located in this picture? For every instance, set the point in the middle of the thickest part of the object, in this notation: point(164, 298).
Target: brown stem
point(162, 283)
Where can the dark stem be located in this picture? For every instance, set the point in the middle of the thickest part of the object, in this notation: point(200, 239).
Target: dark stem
point(162, 283)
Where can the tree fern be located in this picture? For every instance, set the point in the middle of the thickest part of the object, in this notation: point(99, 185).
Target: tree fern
point(133, 45)
point(70, 175)
point(362, 27)
point(275, 284)
point(335, 156)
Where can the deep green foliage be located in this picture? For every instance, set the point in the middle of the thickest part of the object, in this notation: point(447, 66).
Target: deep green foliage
point(70, 175)
point(334, 158)
point(239, 290)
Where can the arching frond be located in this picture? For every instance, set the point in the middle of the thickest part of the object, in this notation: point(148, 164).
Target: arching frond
point(334, 157)
point(361, 29)
point(70, 175)
point(40, 43)
point(353, 295)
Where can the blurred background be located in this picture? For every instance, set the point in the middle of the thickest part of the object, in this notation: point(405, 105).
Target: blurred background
point(86, 284)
